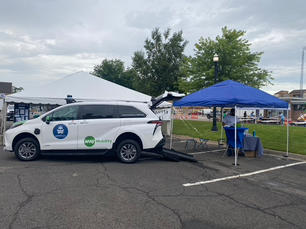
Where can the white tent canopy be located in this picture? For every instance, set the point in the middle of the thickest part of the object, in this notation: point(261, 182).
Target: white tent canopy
point(82, 86)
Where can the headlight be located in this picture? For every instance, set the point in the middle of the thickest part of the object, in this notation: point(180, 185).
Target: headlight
point(16, 124)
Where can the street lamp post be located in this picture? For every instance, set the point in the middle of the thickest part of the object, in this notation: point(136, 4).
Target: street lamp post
point(302, 69)
point(215, 60)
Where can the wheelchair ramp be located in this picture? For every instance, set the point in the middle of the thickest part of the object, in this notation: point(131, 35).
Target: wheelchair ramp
point(177, 156)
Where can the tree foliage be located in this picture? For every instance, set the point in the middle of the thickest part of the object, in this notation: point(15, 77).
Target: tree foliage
point(236, 62)
point(114, 71)
point(17, 89)
point(159, 66)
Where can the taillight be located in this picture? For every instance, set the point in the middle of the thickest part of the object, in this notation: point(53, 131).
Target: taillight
point(156, 122)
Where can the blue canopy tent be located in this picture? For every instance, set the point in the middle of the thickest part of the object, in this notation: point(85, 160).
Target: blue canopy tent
point(233, 94)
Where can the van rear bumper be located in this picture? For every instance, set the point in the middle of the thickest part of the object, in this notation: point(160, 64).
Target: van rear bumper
point(159, 145)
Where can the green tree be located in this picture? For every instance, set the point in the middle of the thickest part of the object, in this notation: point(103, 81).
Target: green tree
point(236, 62)
point(114, 71)
point(159, 67)
point(17, 89)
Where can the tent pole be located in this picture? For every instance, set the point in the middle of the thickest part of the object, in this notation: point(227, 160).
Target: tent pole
point(221, 140)
point(221, 125)
point(235, 135)
point(287, 153)
point(171, 127)
point(3, 124)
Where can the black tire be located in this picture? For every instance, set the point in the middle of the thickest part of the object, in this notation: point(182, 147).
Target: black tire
point(128, 151)
point(27, 149)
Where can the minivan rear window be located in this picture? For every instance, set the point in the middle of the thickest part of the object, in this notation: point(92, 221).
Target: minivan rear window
point(130, 112)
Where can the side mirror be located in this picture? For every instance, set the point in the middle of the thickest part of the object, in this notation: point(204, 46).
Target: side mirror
point(48, 120)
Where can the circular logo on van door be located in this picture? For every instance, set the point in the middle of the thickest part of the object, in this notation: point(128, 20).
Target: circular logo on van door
point(60, 131)
point(89, 141)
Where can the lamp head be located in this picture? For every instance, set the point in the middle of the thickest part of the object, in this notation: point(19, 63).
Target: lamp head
point(216, 58)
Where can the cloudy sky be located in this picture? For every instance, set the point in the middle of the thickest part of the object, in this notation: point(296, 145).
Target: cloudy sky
point(43, 40)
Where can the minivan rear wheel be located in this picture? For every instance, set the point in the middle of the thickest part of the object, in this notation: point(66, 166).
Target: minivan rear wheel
point(27, 149)
point(128, 151)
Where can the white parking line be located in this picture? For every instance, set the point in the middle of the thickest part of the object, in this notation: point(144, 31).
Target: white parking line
point(216, 150)
point(243, 175)
point(179, 141)
point(3, 168)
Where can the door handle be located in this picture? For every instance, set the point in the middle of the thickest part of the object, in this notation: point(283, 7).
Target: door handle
point(83, 122)
point(72, 123)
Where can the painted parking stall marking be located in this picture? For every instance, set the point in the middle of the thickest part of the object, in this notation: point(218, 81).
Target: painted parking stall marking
point(243, 175)
point(210, 151)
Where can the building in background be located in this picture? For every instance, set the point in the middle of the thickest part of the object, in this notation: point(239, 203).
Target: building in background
point(298, 93)
point(6, 88)
point(297, 103)
point(282, 94)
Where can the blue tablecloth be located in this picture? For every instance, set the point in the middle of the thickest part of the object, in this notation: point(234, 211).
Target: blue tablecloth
point(230, 134)
point(252, 143)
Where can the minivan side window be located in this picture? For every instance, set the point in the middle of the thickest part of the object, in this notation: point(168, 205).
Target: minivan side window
point(130, 112)
point(97, 111)
point(63, 114)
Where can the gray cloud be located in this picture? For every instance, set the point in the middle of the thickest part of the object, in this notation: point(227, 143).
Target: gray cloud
point(42, 40)
point(149, 19)
point(270, 14)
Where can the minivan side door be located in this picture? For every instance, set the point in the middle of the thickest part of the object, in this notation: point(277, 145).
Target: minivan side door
point(135, 120)
point(60, 133)
point(98, 126)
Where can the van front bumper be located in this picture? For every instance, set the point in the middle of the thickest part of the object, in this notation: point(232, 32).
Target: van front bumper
point(7, 148)
point(7, 143)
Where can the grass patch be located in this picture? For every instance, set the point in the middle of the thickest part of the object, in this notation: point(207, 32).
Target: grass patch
point(272, 136)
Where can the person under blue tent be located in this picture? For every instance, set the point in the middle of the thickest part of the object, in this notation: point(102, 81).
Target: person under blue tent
point(229, 120)
point(229, 123)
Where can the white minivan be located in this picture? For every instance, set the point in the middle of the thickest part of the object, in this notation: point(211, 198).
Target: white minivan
point(127, 128)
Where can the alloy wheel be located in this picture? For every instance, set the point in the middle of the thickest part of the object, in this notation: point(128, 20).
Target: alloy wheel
point(128, 152)
point(27, 150)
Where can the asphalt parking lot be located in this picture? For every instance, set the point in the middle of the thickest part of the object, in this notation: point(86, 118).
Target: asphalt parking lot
point(100, 192)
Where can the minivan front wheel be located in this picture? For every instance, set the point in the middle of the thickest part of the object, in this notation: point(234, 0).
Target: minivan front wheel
point(27, 149)
point(128, 151)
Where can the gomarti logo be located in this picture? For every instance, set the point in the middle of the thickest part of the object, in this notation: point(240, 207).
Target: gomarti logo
point(89, 141)
point(60, 131)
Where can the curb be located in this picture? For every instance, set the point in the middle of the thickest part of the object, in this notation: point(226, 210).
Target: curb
point(266, 151)
point(290, 155)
